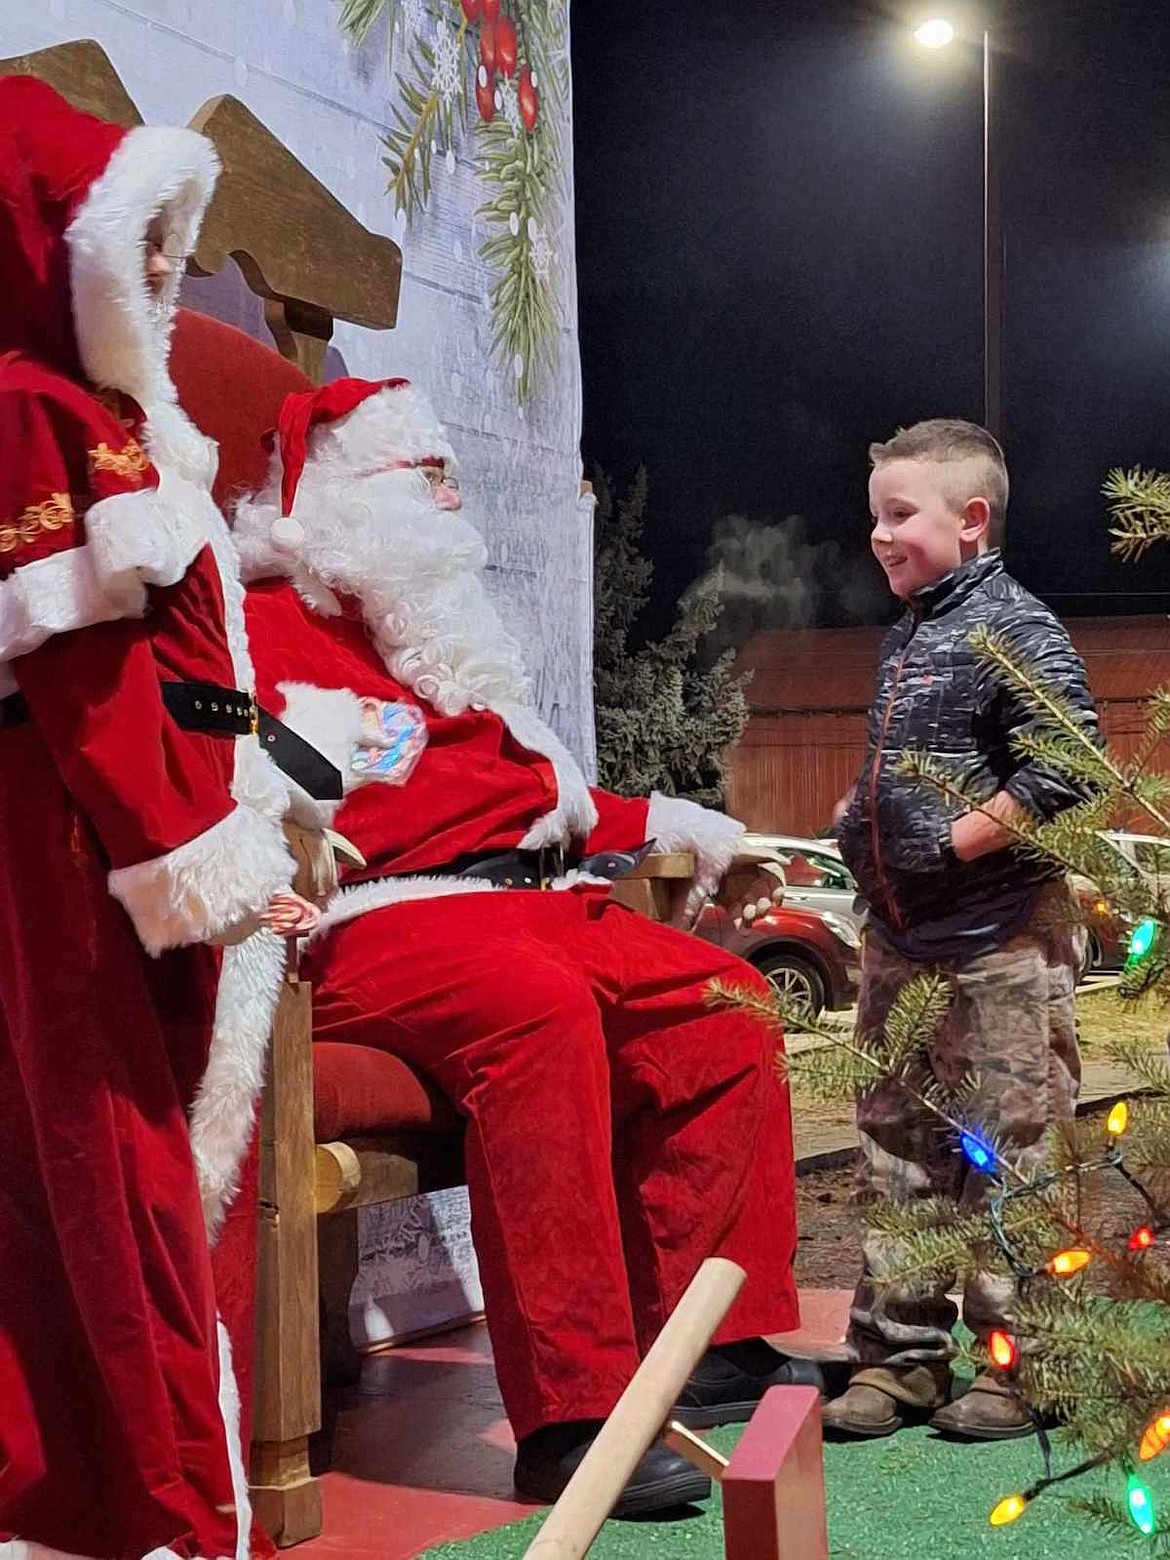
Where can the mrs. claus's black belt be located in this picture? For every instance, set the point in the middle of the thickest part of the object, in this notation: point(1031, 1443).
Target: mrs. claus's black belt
point(197, 706)
point(228, 711)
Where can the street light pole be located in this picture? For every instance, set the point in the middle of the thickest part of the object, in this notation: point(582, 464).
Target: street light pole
point(993, 254)
point(938, 33)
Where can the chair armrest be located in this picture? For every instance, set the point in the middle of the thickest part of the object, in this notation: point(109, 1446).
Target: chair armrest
point(657, 886)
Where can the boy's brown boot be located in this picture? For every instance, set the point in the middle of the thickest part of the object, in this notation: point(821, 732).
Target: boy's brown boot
point(988, 1411)
point(882, 1398)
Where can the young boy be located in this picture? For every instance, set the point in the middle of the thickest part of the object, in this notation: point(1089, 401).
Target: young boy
point(947, 891)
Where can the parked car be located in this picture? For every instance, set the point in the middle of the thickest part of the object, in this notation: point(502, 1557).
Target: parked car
point(815, 875)
point(1109, 932)
point(809, 956)
point(1108, 940)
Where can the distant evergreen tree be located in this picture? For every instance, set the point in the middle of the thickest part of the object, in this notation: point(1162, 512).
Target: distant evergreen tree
point(665, 721)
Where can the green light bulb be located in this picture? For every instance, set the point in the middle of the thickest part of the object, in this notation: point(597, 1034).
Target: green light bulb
point(1142, 940)
point(1140, 1504)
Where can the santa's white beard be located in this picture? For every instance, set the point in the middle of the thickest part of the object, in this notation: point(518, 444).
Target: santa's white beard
point(414, 567)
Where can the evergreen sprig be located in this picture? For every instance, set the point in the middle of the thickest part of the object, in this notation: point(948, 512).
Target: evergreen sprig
point(1140, 504)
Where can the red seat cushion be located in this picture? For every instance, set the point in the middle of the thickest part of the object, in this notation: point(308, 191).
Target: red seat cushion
point(231, 386)
point(358, 1090)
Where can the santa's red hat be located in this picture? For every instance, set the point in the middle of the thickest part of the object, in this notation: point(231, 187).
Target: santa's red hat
point(361, 426)
point(76, 197)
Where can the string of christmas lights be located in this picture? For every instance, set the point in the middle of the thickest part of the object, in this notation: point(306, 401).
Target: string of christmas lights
point(1004, 1349)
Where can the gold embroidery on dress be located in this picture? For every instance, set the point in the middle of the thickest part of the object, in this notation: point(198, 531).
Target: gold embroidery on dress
point(55, 512)
point(130, 461)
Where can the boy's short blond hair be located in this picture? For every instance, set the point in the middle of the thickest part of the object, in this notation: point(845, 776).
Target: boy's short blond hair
point(949, 441)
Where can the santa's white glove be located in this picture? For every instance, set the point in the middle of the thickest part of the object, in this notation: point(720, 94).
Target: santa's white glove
point(673, 824)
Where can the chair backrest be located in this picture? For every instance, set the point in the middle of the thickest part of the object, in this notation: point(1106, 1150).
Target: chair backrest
point(231, 386)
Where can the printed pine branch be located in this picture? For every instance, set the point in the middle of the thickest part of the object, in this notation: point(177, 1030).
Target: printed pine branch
point(1140, 504)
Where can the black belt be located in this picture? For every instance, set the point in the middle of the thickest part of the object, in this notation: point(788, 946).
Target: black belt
point(536, 868)
point(228, 712)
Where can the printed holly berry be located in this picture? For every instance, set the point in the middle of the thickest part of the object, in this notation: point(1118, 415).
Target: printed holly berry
point(529, 99)
point(485, 94)
point(506, 45)
point(487, 46)
point(491, 10)
point(472, 10)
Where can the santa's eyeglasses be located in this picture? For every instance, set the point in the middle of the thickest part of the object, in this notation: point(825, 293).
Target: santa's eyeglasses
point(170, 247)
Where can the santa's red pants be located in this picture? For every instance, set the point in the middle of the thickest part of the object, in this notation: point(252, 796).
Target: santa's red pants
point(620, 1130)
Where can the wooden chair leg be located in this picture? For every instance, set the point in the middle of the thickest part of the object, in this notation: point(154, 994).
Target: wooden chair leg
point(285, 1495)
point(337, 1266)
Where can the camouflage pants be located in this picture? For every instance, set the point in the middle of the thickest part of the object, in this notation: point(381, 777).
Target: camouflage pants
point(1012, 1024)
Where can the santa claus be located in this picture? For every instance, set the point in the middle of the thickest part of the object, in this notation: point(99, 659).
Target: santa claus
point(139, 825)
point(619, 1128)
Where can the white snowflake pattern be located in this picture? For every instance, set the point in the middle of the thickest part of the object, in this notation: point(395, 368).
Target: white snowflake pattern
point(542, 251)
point(446, 77)
point(508, 100)
point(414, 14)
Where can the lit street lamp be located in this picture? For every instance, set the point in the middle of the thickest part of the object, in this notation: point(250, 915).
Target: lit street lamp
point(937, 33)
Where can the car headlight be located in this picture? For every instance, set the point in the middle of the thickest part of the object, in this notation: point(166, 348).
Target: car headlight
point(841, 928)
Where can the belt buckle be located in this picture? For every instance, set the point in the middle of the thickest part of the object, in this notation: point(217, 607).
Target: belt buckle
point(253, 718)
point(557, 852)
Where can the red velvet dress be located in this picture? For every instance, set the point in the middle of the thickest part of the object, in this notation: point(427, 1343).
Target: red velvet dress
point(130, 1050)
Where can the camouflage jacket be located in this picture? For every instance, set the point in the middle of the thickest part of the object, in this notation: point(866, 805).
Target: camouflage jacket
point(936, 696)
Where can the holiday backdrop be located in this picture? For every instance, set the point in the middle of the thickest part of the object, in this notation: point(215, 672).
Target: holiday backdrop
point(446, 126)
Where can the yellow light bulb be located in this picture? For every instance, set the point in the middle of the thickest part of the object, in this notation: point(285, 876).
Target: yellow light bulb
point(1118, 1119)
point(1065, 1263)
point(1009, 1508)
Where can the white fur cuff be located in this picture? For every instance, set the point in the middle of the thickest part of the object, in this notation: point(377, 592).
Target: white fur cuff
point(132, 540)
point(140, 539)
point(210, 884)
point(676, 824)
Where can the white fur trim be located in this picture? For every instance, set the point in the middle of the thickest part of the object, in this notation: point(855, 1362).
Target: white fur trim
point(52, 596)
point(575, 816)
point(364, 897)
point(122, 331)
point(677, 824)
point(140, 539)
point(224, 1110)
point(229, 1413)
point(395, 424)
point(331, 720)
point(207, 885)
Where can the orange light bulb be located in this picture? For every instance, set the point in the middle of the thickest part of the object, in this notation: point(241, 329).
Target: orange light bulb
point(1003, 1350)
point(1156, 1438)
point(1065, 1263)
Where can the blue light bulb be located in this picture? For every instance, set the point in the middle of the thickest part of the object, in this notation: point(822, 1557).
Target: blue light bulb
point(977, 1151)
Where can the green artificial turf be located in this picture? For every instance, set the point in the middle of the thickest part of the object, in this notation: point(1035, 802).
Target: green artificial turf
point(912, 1497)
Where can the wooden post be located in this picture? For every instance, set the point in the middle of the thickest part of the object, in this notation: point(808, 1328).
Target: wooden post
point(285, 1495)
point(774, 1484)
point(642, 1410)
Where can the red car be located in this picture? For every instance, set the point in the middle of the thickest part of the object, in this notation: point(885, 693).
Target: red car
point(809, 956)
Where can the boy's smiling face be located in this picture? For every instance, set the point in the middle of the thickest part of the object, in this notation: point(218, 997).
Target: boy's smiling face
point(921, 531)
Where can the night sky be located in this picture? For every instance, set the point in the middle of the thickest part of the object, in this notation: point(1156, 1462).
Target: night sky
point(779, 220)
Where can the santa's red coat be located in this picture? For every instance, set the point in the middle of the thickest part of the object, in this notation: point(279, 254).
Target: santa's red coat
point(620, 1130)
